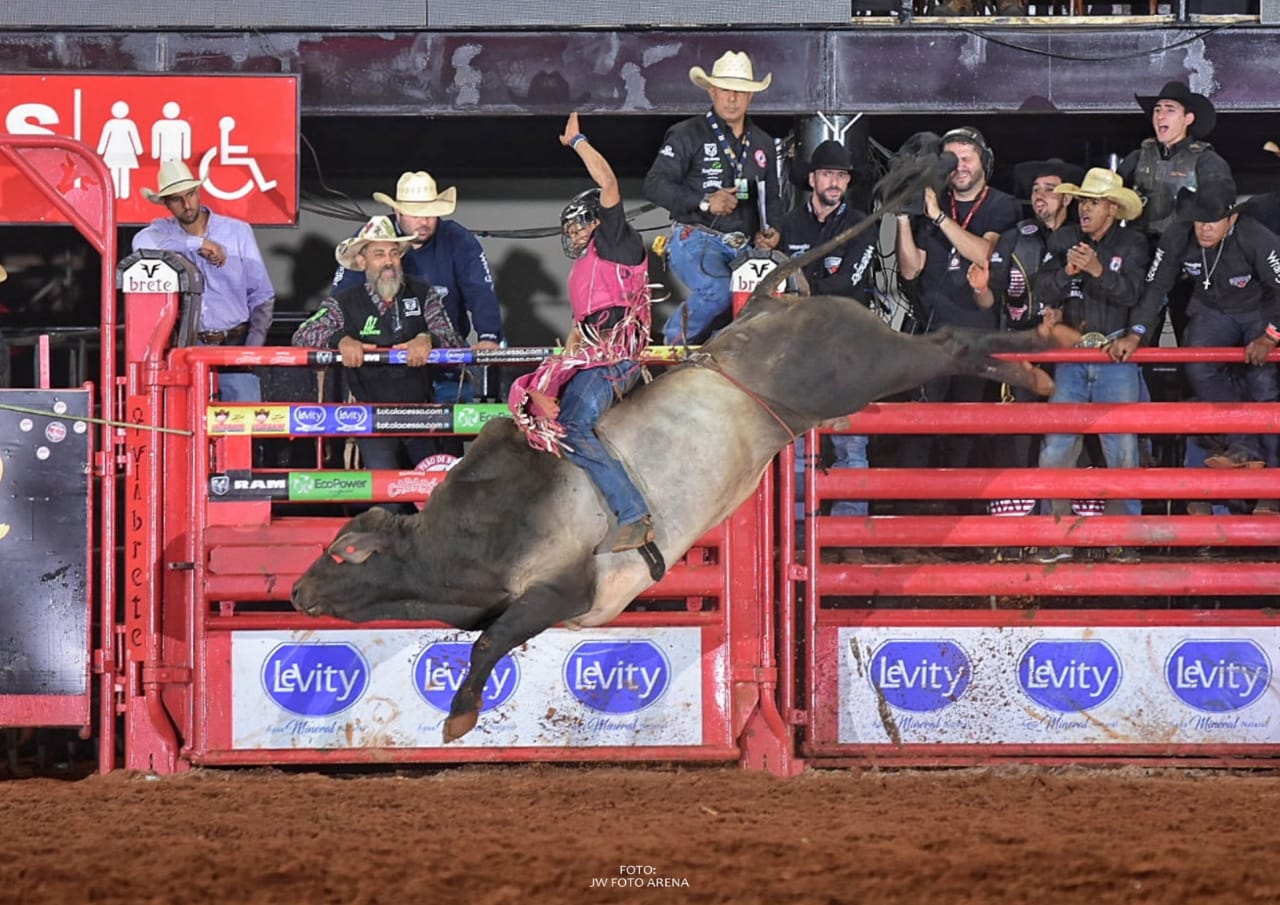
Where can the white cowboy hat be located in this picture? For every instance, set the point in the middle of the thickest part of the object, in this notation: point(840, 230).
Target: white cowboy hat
point(732, 72)
point(4, 274)
point(1100, 182)
point(174, 179)
point(378, 229)
point(416, 196)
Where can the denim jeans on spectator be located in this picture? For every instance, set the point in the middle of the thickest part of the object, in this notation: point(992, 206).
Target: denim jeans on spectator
point(451, 385)
point(701, 261)
point(1216, 382)
point(586, 397)
point(1092, 382)
point(239, 387)
point(850, 452)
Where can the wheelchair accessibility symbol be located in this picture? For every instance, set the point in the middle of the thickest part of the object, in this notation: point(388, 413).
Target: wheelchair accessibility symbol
point(232, 156)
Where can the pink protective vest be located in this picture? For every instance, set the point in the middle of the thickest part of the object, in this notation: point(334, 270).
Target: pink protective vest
point(596, 284)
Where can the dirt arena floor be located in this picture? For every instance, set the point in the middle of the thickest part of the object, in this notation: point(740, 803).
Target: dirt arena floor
point(534, 834)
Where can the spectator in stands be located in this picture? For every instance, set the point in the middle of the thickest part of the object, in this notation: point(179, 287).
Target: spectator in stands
point(1094, 272)
point(559, 404)
point(1005, 285)
point(1234, 266)
point(388, 310)
point(444, 254)
point(1176, 157)
point(845, 271)
point(709, 175)
point(239, 300)
point(936, 249)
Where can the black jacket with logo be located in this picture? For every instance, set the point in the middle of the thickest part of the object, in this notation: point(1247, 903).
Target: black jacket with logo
point(846, 270)
point(691, 165)
point(1104, 304)
point(1243, 270)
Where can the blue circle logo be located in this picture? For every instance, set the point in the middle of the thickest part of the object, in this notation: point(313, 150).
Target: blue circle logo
point(440, 669)
point(1069, 676)
point(921, 676)
point(1218, 676)
point(617, 676)
point(315, 679)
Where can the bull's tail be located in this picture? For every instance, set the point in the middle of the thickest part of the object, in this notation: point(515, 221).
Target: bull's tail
point(912, 180)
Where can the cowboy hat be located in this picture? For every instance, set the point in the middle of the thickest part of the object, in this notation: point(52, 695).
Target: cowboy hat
point(416, 196)
point(732, 72)
point(174, 179)
point(1102, 183)
point(4, 274)
point(831, 155)
point(1027, 172)
point(378, 229)
point(1208, 203)
point(1201, 106)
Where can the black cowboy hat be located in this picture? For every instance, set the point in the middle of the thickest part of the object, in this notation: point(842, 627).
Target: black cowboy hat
point(831, 155)
point(1201, 106)
point(1027, 172)
point(1213, 201)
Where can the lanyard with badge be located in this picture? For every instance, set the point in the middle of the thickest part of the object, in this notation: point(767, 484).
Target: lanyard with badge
point(953, 262)
point(736, 162)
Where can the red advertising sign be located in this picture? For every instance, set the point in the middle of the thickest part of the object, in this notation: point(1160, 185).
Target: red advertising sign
point(238, 133)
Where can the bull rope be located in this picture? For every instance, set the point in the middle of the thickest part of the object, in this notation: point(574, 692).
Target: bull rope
point(708, 361)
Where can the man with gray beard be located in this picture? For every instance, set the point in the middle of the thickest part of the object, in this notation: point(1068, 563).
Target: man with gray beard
point(386, 311)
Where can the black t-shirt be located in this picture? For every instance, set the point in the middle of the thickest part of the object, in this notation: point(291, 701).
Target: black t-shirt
point(946, 298)
point(616, 239)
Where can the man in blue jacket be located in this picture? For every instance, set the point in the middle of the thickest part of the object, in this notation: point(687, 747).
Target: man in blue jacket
point(443, 254)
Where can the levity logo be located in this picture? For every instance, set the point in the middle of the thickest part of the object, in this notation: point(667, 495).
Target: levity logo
point(921, 676)
point(307, 418)
point(315, 679)
point(1069, 676)
point(1218, 676)
point(440, 668)
point(352, 418)
point(617, 676)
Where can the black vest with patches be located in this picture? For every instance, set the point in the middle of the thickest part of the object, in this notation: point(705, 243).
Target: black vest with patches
point(400, 323)
point(1158, 181)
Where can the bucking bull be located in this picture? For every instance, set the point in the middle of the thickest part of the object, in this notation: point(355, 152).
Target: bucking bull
point(506, 544)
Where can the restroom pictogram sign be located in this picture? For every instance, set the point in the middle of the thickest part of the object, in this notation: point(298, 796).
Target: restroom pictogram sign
point(239, 133)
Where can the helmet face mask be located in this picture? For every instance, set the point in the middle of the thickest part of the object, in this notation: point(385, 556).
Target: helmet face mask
point(576, 222)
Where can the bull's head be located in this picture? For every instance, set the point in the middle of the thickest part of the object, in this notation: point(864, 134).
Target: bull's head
point(366, 573)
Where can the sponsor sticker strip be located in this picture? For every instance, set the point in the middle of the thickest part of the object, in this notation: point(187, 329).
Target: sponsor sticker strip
point(1175, 685)
point(341, 420)
point(338, 689)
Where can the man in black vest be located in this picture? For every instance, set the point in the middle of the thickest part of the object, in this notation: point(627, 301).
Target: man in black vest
point(1005, 285)
point(385, 311)
point(1176, 157)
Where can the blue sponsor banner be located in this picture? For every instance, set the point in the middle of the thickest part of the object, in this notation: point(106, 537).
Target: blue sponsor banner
point(439, 670)
point(1218, 675)
point(315, 680)
point(1069, 676)
point(617, 676)
point(921, 676)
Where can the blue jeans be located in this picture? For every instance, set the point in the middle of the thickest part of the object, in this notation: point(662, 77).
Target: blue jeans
point(239, 388)
point(586, 397)
point(1220, 382)
point(701, 261)
point(850, 452)
point(1092, 382)
point(451, 386)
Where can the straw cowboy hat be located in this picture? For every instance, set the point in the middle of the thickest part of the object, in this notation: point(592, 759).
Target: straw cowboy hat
point(174, 179)
point(4, 274)
point(1201, 106)
point(1209, 202)
point(378, 229)
point(1102, 183)
point(416, 196)
point(732, 72)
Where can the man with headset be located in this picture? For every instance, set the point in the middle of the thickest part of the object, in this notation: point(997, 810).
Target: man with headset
point(936, 249)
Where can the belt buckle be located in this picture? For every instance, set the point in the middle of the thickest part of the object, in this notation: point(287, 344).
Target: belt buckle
point(734, 240)
point(1092, 341)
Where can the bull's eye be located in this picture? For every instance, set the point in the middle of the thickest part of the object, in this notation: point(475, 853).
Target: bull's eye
point(336, 558)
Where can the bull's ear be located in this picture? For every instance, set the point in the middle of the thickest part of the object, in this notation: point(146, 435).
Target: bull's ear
point(355, 547)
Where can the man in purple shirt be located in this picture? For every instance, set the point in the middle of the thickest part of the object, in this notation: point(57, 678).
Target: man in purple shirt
point(238, 299)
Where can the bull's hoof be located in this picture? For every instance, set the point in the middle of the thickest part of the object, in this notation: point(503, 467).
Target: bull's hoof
point(458, 725)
